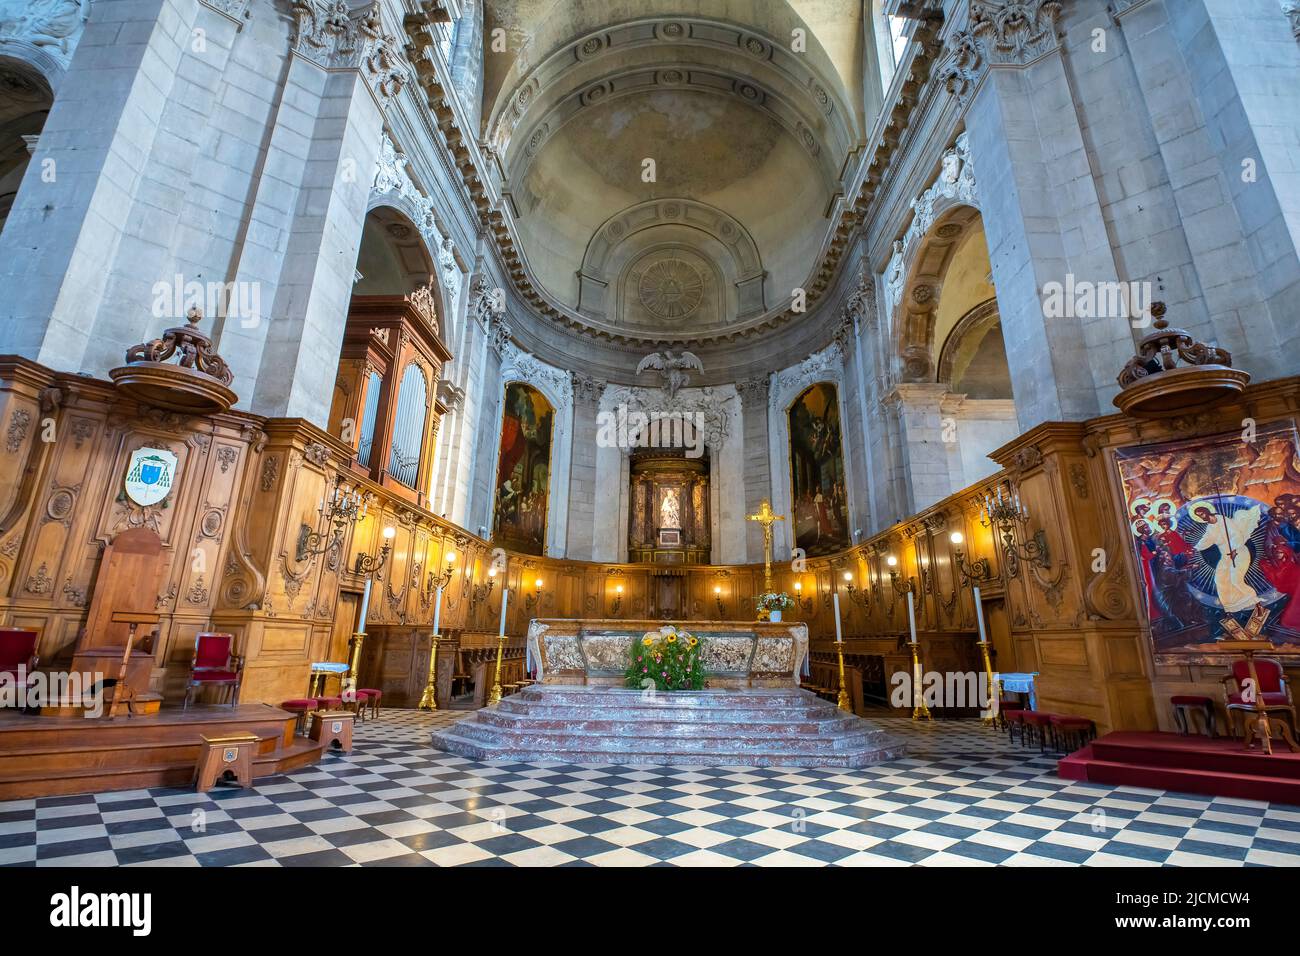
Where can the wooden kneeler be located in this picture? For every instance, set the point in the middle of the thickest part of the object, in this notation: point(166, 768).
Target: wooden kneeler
point(221, 755)
point(330, 727)
point(122, 689)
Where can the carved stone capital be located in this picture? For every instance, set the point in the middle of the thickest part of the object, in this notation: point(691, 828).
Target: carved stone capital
point(332, 36)
point(1014, 32)
point(753, 391)
point(587, 390)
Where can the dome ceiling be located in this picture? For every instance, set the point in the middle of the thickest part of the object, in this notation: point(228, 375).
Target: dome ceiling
point(670, 177)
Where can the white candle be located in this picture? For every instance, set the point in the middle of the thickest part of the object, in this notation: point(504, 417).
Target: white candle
point(979, 613)
point(911, 616)
point(365, 606)
point(505, 593)
point(437, 609)
point(839, 637)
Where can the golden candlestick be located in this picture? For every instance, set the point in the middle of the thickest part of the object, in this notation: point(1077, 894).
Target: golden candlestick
point(495, 696)
point(919, 709)
point(843, 701)
point(354, 659)
point(429, 700)
point(995, 693)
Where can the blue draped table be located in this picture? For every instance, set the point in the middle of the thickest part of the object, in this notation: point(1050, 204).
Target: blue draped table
point(1020, 684)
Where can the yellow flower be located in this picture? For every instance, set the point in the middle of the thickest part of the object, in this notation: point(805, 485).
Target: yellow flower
point(693, 642)
point(672, 638)
point(648, 641)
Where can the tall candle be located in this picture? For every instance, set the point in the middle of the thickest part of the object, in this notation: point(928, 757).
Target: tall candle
point(911, 616)
point(365, 606)
point(437, 610)
point(505, 593)
point(839, 637)
point(979, 613)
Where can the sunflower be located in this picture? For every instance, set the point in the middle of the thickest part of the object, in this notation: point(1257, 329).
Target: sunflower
point(648, 640)
point(672, 638)
point(692, 642)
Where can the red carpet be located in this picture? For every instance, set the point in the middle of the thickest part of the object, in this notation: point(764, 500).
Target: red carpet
point(1221, 768)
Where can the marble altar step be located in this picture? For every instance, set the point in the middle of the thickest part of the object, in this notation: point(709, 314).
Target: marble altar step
point(762, 728)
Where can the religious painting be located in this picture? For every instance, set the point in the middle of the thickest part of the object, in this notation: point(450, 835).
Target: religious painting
point(523, 470)
point(817, 487)
point(1215, 528)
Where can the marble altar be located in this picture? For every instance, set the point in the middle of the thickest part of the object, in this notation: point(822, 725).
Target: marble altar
point(736, 654)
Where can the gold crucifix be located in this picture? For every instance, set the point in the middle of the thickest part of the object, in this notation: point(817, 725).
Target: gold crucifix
point(766, 517)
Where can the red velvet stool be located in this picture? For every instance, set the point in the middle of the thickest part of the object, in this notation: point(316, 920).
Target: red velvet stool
point(302, 707)
point(357, 703)
point(1074, 731)
point(1038, 724)
point(1204, 704)
point(329, 703)
point(374, 696)
point(1006, 708)
point(1013, 720)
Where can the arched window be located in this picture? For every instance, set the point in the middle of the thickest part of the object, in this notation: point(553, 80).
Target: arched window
point(409, 426)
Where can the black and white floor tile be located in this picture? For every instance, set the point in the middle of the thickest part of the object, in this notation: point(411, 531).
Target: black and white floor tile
point(964, 796)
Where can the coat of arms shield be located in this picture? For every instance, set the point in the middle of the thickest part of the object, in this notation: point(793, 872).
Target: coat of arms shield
point(149, 475)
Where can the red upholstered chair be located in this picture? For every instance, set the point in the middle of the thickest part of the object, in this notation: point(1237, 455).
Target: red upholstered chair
point(215, 665)
point(1038, 724)
point(18, 652)
point(329, 703)
point(1273, 693)
point(1074, 731)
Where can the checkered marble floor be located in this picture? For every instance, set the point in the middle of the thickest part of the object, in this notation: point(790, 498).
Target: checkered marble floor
point(964, 796)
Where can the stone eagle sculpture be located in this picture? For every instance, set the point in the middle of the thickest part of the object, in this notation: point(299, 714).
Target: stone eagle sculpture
point(673, 366)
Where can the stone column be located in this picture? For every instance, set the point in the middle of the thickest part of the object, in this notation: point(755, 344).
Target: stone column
point(306, 222)
point(1221, 84)
point(1041, 211)
point(584, 495)
point(82, 208)
point(925, 454)
point(758, 476)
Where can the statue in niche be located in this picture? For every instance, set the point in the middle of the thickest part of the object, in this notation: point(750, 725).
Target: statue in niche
point(670, 510)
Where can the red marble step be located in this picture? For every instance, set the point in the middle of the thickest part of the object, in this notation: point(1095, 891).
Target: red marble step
point(648, 738)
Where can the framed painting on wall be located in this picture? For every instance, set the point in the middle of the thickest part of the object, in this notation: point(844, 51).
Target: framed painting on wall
point(818, 492)
point(523, 470)
point(1215, 529)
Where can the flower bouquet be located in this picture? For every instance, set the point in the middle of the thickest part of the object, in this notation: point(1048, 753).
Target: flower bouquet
point(669, 657)
point(772, 604)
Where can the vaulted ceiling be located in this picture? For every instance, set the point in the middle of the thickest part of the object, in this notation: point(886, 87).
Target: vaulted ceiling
point(670, 164)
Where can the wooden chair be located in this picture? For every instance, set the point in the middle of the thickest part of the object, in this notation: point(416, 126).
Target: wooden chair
point(1273, 694)
point(215, 665)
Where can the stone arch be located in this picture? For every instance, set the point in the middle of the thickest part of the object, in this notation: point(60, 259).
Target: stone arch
point(25, 101)
point(973, 358)
point(624, 238)
point(396, 257)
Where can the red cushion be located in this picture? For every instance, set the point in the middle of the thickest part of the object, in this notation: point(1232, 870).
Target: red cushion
point(1037, 717)
point(304, 703)
point(328, 702)
point(371, 692)
point(213, 650)
point(213, 676)
point(1015, 716)
point(1274, 698)
point(1190, 700)
point(1059, 720)
point(17, 645)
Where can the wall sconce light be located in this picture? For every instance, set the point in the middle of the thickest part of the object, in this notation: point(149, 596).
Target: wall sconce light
point(1007, 514)
point(345, 507)
point(368, 564)
point(972, 572)
point(805, 603)
point(909, 585)
point(434, 581)
point(717, 597)
point(618, 601)
point(535, 599)
point(483, 591)
point(856, 594)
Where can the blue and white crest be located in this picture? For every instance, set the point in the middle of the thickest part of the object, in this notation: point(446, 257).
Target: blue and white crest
point(149, 476)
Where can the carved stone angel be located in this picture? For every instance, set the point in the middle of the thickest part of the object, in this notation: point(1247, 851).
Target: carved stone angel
point(673, 366)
